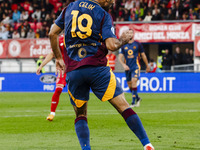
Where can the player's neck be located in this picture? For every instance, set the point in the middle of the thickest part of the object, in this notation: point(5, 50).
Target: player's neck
point(131, 41)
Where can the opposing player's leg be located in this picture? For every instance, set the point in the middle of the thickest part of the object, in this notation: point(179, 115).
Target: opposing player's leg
point(132, 119)
point(54, 102)
point(81, 127)
point(60, 84)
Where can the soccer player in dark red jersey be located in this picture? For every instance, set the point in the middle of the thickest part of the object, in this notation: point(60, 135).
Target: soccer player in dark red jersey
point(88, 37)
point(60, 80)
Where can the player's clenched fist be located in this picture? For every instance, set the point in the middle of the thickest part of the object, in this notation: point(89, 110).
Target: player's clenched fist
point(126, 36)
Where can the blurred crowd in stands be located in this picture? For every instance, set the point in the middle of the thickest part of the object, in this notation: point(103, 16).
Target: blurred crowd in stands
point(28, 18)
point(33, 18)
point(155, 10)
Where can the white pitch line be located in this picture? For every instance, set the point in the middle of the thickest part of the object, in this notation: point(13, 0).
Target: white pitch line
point(59, 115)
point(105, 113)
point(111, 110)
point(32, 111)
point(169, 111)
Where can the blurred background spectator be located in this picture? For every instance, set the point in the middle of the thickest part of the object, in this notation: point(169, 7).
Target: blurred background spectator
point(177, 57)
point(191, 57)
point(167, 60)
point(111, 58)
point(153, 67)
point(15, 34)
point(148, 17)
point(185, 59)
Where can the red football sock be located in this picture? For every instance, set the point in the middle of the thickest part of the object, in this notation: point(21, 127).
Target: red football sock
point(55, 99)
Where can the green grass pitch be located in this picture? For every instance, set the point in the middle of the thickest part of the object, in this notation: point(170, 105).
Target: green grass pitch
point(172, 122)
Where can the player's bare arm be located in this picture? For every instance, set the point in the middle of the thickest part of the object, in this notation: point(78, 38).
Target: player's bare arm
point(113, 44)
point(47, 59)
point(121, 60)
point(144, 57)
point(53, 34)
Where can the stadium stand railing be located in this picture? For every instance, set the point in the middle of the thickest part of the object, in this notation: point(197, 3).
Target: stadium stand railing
point(186, 68)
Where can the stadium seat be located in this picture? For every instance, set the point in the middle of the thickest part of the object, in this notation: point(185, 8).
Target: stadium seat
point(9, 65)
point(14, 7)
point(38, 25)
point(16, 26)
point(53, 2)
point(28, 65)
point(33, 26)
point(56, 6)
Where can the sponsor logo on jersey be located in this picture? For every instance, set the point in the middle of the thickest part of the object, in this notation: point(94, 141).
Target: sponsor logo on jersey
point(82, 52)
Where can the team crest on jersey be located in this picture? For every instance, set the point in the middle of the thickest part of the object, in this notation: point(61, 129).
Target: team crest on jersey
point(82, 52)
point(130, 53)
point(126, 48)
point(134, 47)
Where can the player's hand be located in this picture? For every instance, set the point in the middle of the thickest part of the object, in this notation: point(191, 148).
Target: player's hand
point(38, 70)
point(60, 65)
point(126, 68)
point(127, 36)
point(147, 69)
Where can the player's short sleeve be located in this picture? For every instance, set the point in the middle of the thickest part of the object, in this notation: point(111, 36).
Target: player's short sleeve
point(107, 27)
point(141, 48)
point(60, 20)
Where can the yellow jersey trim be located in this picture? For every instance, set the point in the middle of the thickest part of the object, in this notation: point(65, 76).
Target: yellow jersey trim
point(111, 88)
point(64, 42)
point(107, 63)
point(138, 63)
point(79, 103)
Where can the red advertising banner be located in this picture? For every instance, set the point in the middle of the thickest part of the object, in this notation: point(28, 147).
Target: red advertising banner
point(159, 32)
point(28, 48)
point(197, 45)
point(3, 49)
